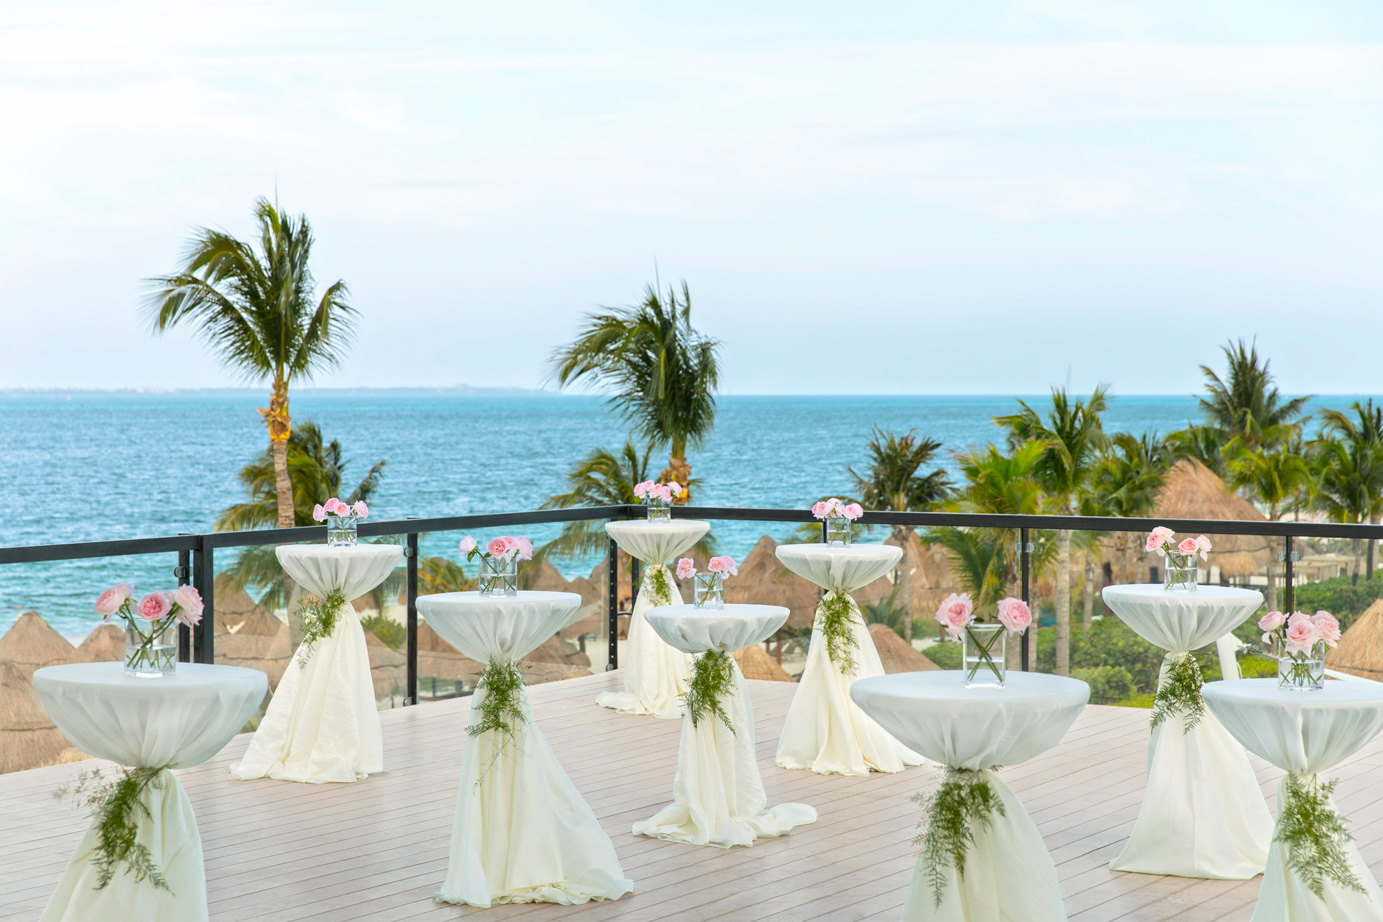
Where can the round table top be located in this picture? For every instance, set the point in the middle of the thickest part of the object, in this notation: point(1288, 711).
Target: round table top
point(845, 568)
point(657, 542)
point(935, 714)
point(697, 630)
point(1298, 731)
point(351, 571)
point(1179, 621)
point(173, 721)
point(500, 627)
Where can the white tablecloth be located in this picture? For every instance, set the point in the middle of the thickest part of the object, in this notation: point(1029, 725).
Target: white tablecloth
point(1305, 733)
point(1203, 814)
point(1009, 875)
point(522, 833)
point(323, 723)
point(655, 675)
point(718, 796)
point(825, 732)
point(175, 721)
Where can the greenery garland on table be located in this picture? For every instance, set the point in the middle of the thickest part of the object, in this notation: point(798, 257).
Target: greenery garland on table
point(501, 710)
point(1315, 835)
point(318, 622)
point(963, 801)
point(117, 805)
point(658, 582)
point(712, 678)
point(837, 630)
point(1180, 693)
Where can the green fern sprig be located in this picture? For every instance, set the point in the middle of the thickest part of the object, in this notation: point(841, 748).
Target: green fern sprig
point(118, 806)
point(713, 677)
point(1315, 835)
point(658, 582)
point(501, 709)
point(1180, 694)
point(964, 802)
point(837, 610)
point(318, 622)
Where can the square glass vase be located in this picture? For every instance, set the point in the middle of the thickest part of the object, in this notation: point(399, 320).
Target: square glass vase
point(152, 652)
point(709, 590)
point(837, 531)
point(1182, 572)
point(1300, 671)
point(499, 576)
point(985, 656)
point(341, 530)
point(659, 510)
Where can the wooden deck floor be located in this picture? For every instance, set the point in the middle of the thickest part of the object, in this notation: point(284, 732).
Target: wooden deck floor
point(378, 849)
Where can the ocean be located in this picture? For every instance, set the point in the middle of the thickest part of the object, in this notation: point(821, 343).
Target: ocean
point(96, 466)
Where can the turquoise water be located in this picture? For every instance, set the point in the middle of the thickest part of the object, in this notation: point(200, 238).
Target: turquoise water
point(102, 466)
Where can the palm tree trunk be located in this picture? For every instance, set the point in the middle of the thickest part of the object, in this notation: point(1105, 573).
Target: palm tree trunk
point(1089, 591)
point(1063, 602)
point(1354, 577)
point(679, 470)
point(904, 583)
point(1368, 573)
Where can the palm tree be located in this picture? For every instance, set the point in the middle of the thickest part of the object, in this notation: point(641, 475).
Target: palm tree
point(1350, 459)
point(1125, 484)
point(663, 373)
point(1272, 477)
point(894, 481)
point(260, 312)
point(1245, 404)
point(1072, 438)
point(1203, 444)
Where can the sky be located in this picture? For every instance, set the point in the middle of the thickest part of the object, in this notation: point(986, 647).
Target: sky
point(883, 198)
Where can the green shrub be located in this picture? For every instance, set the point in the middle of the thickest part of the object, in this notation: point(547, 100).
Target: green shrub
point(1108, 684)
point(392, 634)
point(1337, 596)
point(947, 655)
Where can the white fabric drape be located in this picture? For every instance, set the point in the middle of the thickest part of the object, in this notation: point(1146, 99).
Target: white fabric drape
point(1203, 814)
point(1305, 733)
point(655, 675)
point(522, 832)
point(176, 721)
point(1009, 875)
point(322, 724)
point(718, 795)
point(825, 732)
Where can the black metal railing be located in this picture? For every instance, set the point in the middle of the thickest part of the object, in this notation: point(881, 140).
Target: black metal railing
point(196, 552)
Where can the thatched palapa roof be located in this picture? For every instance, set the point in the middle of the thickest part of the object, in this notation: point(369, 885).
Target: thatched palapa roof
point(103, 645)
point(1360, 651)
point(764, 580)
point(31, 643)
point(897, 656)
point(755, 663)
point(1192, 491)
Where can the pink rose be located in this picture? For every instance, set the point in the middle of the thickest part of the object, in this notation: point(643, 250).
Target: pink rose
point(641, 489)
point(675, 488)
point(467, 544)
point(1154, 543)
point(1301, 636)
point(1296, 617)
point(955, 613)
point(497, 547)
point(854, 511)
point(1271, 621)
point(685, 568)
point(1328, 627)
point(153, 607)
point(189, 603)
point(110, 601)
point(725, 564)
point(1188, 546)
point(319, 513)
point(1164, 532)
point(361, 510)
point(525, 548)
point(819, 510)
point(1015, 615)
point(1204, 544)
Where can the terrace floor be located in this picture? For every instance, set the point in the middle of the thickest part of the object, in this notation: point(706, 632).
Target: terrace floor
point(378, 849)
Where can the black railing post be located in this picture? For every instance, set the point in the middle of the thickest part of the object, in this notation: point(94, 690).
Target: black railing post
point(184, 575)
point(612, 602)
point(410, 553)
point(1025, 554)
point(635, 574)
point(204, 578)
point(1289, 589)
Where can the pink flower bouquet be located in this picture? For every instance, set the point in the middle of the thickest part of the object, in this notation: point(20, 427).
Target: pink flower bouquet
point(1299, 642)
point(838, 515)
point(984, 655)
point(146, 620)
point(658, 497)
point(1180, 555)
point(499, 562)
point(709, 587)
point(341, 520)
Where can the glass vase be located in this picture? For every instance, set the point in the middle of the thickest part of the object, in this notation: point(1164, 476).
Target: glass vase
point(659, 510)
point(985, 661)
point(1182, 572)
point(341, 531)
point(1300, 671)
point(499, 576)
point(837, 531)
point(709, 590)
point(151, 652)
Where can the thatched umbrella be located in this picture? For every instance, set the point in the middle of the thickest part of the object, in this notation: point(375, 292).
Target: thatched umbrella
point(258, 642)
point(28, 738)
point(1192, 491)
point(1360, 651)
point(387, 667)
point(231, 604)
point(928, 569)
point(104, 644)
point(755, 663)
point(897, 656)
point(31, 643)
point(438, 659)
point(764, 580)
